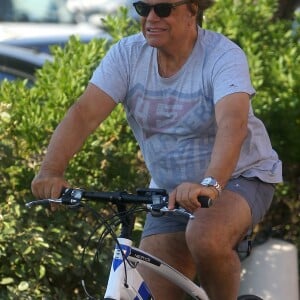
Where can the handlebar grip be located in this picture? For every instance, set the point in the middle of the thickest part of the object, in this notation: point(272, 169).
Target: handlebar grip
point(205, 201)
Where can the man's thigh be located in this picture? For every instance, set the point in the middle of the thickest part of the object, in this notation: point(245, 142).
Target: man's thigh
point(172, 249)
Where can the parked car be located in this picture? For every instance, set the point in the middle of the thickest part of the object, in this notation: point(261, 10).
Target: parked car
point(44, 43)
point(40, 24)
point(94, 10)
point(20, 63)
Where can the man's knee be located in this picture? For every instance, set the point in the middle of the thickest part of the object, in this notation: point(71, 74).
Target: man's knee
point(217, 231)
point(205, 244)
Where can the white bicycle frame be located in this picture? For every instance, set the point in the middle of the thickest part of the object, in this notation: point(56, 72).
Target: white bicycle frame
point(126, 283)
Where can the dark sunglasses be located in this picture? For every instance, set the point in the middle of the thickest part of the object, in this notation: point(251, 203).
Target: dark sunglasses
point(162, 10)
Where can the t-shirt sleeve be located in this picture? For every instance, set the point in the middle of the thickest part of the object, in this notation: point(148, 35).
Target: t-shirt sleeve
point(111, 74)
point(231, 75)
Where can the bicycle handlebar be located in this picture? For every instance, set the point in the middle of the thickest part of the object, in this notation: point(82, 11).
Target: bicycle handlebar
point(156, 199)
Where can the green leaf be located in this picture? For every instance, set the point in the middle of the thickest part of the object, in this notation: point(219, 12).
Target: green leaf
point(23, 286)
point(42, 272)
point(6, 281)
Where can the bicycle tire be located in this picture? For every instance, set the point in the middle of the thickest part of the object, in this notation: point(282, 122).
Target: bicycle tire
point(249, 297)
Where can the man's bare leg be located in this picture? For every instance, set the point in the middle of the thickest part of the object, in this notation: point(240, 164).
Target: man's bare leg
point(212, 237)
point(172, 249)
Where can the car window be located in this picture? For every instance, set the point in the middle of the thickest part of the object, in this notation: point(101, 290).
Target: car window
point(45, 11)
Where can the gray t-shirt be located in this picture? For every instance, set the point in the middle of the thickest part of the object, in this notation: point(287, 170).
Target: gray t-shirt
point(173, 119)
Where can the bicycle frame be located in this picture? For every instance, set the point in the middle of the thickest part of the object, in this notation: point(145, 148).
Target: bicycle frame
point(126, 283)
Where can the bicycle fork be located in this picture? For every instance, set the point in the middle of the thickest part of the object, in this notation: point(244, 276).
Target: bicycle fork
point(125, 283)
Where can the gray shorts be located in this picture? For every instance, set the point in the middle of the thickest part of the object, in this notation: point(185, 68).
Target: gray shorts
point(257, 193)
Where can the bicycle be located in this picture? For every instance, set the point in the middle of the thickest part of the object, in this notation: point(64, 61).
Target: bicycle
point(125, 282)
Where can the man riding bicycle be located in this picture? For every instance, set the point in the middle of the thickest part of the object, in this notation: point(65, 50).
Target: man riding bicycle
point(187, 95)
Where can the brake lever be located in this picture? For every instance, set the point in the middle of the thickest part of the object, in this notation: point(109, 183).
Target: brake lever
point(43, 202)
point(158, 211)
point(178, 211)
point(70, 198)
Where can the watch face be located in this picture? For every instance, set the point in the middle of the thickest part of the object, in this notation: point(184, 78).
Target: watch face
point(208, 181)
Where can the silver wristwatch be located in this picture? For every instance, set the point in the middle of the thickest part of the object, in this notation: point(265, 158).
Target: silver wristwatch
point(210, 181)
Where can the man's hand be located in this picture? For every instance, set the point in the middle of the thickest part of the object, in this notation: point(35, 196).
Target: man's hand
point(186, 195)
point(48, 187)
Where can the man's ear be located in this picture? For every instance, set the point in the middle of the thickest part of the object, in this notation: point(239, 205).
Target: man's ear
point(194, 9)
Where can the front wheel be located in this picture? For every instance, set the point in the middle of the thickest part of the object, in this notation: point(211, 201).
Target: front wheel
point(249, 297)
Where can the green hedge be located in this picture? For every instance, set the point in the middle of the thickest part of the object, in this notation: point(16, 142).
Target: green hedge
point(40, 252)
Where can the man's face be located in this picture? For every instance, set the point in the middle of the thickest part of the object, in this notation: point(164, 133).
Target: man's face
point(166, 32)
